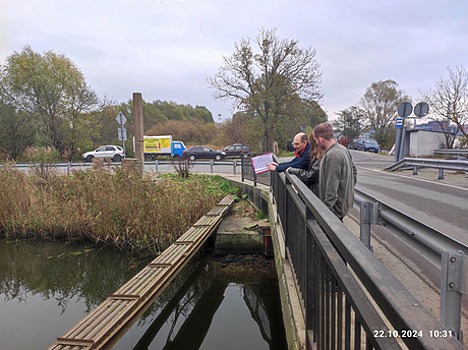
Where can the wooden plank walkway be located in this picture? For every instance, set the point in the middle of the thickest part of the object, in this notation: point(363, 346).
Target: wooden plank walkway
point(102, 327)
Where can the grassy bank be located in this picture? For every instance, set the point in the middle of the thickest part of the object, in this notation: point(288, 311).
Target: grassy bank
point(118, 209)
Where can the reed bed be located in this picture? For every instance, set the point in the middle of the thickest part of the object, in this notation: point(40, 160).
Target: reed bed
point(118, 208)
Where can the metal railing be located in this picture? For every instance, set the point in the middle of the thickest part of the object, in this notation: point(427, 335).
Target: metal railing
point(209, 166)
point(247, 173)
point(416, 163)
point(349, 298)
point(452, 151)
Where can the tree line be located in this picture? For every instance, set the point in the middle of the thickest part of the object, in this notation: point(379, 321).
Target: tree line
point(272, 83)
point(376, 111)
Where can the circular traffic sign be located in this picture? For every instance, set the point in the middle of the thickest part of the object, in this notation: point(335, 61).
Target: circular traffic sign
point(421, 109)
point(405, 109)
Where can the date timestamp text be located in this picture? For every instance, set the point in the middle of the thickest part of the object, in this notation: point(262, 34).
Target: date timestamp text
point(411, 333)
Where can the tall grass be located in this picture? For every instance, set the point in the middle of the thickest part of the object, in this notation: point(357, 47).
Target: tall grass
point(119, 209)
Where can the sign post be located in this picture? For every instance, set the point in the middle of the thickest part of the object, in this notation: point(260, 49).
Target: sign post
point(404, 110)
point(122, 132)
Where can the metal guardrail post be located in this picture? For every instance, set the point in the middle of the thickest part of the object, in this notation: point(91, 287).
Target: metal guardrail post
point(156, 165)
point(211, 166)
point(415, 170)
point(441, 174)
point(68, 168)
point(452, 287)
point(242, 169)
point(369, 215)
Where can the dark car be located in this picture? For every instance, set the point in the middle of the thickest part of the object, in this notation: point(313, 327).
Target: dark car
point(357, 145)
point(237, 150)
point(202, 152)
point(369, 145)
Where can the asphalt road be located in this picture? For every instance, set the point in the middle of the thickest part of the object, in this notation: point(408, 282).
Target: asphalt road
point(441, 204)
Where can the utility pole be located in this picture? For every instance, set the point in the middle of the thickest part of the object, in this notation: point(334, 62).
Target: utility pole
point(138, 114)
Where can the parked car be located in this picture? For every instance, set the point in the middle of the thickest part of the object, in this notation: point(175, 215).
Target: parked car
point(237, 150)
point(369, 145)
point(356, 145)
point(116, 153)
point(203, 152)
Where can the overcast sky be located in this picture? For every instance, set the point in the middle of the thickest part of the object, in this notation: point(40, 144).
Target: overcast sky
point(167, 49)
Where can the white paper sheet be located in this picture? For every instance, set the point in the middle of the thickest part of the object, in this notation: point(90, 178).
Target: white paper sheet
point(260, 163)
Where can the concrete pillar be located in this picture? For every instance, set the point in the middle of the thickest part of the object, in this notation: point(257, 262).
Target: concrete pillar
point(138, 114)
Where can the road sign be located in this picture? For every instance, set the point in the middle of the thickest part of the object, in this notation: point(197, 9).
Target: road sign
point(421, 109)
point(405, 109)
point(399, 122)
point(122, 132)
point(121, 118)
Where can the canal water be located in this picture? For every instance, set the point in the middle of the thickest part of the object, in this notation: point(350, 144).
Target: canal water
point(48, 287)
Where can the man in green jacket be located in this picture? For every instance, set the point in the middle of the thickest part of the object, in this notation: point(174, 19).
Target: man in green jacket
point(337, 175)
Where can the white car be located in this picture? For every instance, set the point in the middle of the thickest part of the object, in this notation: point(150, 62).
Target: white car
point(116, 153)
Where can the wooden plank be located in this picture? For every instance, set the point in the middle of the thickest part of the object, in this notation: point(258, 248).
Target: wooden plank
point(217, 211)
point(75, 342)
point(228, 200)
point(207, 221)
point(124, 296)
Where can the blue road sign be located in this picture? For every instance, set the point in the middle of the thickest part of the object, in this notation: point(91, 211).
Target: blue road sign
point(399, 122)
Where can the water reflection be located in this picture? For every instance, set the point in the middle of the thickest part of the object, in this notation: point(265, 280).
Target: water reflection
point(203, 308)
point(213, 310)
point(47, 287)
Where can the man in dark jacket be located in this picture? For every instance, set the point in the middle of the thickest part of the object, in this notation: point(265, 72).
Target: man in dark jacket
point(301, 159)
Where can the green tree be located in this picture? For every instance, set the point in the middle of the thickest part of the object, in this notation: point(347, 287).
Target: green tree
point(273, 84)
point(350, 122)
point(242, 128)
point(51, 90)
point(16, 132)
point(381, 101)
point(449, 101)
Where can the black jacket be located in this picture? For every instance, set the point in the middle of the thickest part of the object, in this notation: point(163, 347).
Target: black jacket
point(310, 176)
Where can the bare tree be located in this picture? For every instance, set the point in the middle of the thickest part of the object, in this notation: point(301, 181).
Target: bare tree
point(274, 84)
point(449, 102)
point(381, 101)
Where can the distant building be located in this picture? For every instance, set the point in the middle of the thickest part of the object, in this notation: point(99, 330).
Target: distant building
point(423, 142)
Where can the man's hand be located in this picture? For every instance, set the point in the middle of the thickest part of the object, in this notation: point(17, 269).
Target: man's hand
point(272, 166)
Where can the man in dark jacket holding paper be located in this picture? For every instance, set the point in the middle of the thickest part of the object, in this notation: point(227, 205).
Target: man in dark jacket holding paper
point(301, 159)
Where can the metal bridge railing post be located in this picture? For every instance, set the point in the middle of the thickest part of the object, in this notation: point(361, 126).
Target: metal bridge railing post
point(369, 215)
point(452, 287)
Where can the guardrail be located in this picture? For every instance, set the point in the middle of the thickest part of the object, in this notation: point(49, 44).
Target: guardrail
point(416, 163)
point(349, 297)
point(438, 248)
point(159, 165)
point(452, 151)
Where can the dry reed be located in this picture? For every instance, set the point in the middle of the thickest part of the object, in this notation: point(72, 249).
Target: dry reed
point(119, 209)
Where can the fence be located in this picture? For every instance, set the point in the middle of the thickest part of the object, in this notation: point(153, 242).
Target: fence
point(348, 297)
